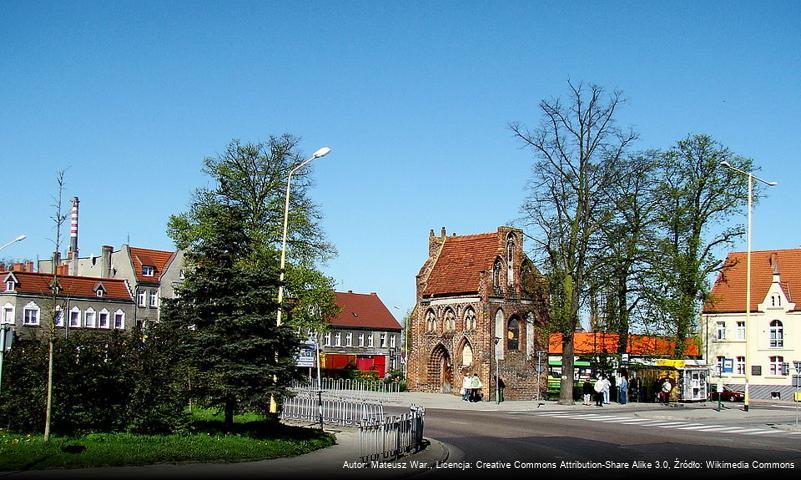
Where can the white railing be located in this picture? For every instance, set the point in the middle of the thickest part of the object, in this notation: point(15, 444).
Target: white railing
point(393, 436)
point(312, 406)
point(350, 385)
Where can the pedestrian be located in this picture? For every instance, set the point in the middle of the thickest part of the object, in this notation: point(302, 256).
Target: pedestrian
point(587, 391)
point(665, 392)
point(600, 384)
point(607, 386)
point(466, 388)
point(475, 388)
point(501, 386)
point(624, 390)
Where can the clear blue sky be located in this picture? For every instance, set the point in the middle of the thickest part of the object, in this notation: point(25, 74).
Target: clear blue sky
point(414, 98)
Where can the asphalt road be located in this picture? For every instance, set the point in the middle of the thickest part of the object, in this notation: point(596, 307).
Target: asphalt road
point(595, 443)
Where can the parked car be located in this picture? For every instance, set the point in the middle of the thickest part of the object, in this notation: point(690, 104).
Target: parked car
point(727, 395)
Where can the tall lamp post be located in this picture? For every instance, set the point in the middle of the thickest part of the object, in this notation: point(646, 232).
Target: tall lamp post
point(6, 338)
point(319, 153)
point(751, 178)
point(497, 372)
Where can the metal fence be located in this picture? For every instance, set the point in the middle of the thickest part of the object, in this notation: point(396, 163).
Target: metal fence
point(390, 437)
point(350, 385)
point(310, 406)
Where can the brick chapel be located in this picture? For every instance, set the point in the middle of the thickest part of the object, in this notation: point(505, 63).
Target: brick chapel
point(472, 290)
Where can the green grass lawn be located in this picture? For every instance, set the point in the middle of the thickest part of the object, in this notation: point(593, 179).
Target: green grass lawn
point(252, 439)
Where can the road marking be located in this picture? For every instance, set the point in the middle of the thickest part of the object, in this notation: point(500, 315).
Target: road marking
point(760, 432)
point(726, 429)
point(677, 425)
point(699, 428)
point(745, 430)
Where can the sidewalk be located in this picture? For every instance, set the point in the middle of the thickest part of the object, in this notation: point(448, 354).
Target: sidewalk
point(338, 461)
point(676, 411)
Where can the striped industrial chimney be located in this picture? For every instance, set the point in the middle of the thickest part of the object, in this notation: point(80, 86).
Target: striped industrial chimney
point(73, 252)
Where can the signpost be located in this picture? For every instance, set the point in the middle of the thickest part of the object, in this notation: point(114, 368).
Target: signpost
point(797, 384)
point(540, 354)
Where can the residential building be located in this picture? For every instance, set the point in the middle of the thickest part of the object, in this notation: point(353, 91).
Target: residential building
point(26, 299)
point(770, 336)
point(151, 274)
point(479, 301)
point(364, 334)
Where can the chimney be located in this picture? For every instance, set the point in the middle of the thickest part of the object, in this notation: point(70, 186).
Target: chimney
point(17, 267)
point(105, 261)
point(29, 266)
point(73, 252)
point(774, 266)
point(2, 267)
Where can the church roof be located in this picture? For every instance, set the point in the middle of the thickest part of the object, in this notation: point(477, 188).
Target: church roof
point(462, 259)
point(728, 294)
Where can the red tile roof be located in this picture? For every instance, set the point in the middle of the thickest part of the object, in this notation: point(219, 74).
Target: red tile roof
point(72, 286)
point(728, 294)
point(639, 345)
point(461, 261)
point(158, 259)
point(363, 311)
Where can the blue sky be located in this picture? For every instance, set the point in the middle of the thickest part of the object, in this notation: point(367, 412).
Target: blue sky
point(413, 97)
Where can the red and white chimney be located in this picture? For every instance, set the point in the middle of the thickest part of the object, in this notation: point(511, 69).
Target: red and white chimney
point(73, 252)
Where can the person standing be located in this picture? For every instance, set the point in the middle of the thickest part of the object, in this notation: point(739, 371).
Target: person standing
point(475, 388)
point(587, 391)
point(599, 387)
point(466, 388)
point(607, 386)
point(501, 386)
point(624, 390)
point(665, 392)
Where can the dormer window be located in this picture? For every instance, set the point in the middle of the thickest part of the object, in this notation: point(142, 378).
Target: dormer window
point(9, 286)
point(148, 271)
point(100, 293)
point(100, 290)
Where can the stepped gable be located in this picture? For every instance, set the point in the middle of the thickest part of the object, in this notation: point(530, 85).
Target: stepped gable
point(462, 259)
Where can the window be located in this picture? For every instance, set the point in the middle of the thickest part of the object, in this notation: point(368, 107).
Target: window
point(776, 334)
point(740, 330)
point(338, 339)
point(775, 300)
point(103, 318)
point(349, 339)
point(431, 321)
point(513, 334)
point(100, 292)
point(720, 365)
point(776, 365)
point(181, 274)
point(467, 355)
point(740, 365)
point(10, 286)
point(148, 271)
point(30, 314)
point(75, 317)
point(450, 321)
point(8, 314)
point(119, 320)
point(327, 339)
point(469, 319)
point(58, 318)
point(496, 273)
point(154, 298)
point(382, 341)
point(142, 298)
point(510, 252)
point(721, 331)
point(392, 341)
point(89, 318)
point(370, 340)
point(361, 339)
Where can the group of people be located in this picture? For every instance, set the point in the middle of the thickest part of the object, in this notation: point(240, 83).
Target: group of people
point(471, 388)
point(600, 390)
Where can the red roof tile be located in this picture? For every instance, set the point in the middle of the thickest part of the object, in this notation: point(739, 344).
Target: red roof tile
point(601, 342)
point(728, 294)
point(460, 263)
point(363, 311)
point(39, 284)
point(158, 259)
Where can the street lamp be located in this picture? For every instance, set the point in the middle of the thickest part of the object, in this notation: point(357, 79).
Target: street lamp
point(751, 178)
point(319, 153)
point(497, 373)
point(18, 239)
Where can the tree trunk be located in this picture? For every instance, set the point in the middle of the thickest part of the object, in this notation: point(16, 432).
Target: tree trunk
point(49, 389)
point(623, 316)
point(229, 415)
point(566, 382)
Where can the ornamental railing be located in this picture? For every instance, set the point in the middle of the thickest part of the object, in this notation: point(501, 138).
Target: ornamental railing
point(393, 436)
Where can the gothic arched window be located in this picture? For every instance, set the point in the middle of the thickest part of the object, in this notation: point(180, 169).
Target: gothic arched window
point(510, 254)
point(513, 334)
point(431, 321)
point(469, 319)
point(450, 321)
point(496, 273)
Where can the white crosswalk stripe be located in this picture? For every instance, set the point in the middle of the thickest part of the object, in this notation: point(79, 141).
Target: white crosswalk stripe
point(677, 425)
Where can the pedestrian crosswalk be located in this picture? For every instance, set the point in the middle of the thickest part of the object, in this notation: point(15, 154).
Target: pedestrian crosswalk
point(751, 430)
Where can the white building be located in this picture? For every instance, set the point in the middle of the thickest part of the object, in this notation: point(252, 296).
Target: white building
point(772, 336)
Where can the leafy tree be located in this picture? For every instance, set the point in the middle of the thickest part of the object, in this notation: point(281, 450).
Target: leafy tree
point(577, 147)
point(696, 200)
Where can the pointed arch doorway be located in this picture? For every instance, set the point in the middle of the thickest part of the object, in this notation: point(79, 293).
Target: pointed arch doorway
point(439, 370)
